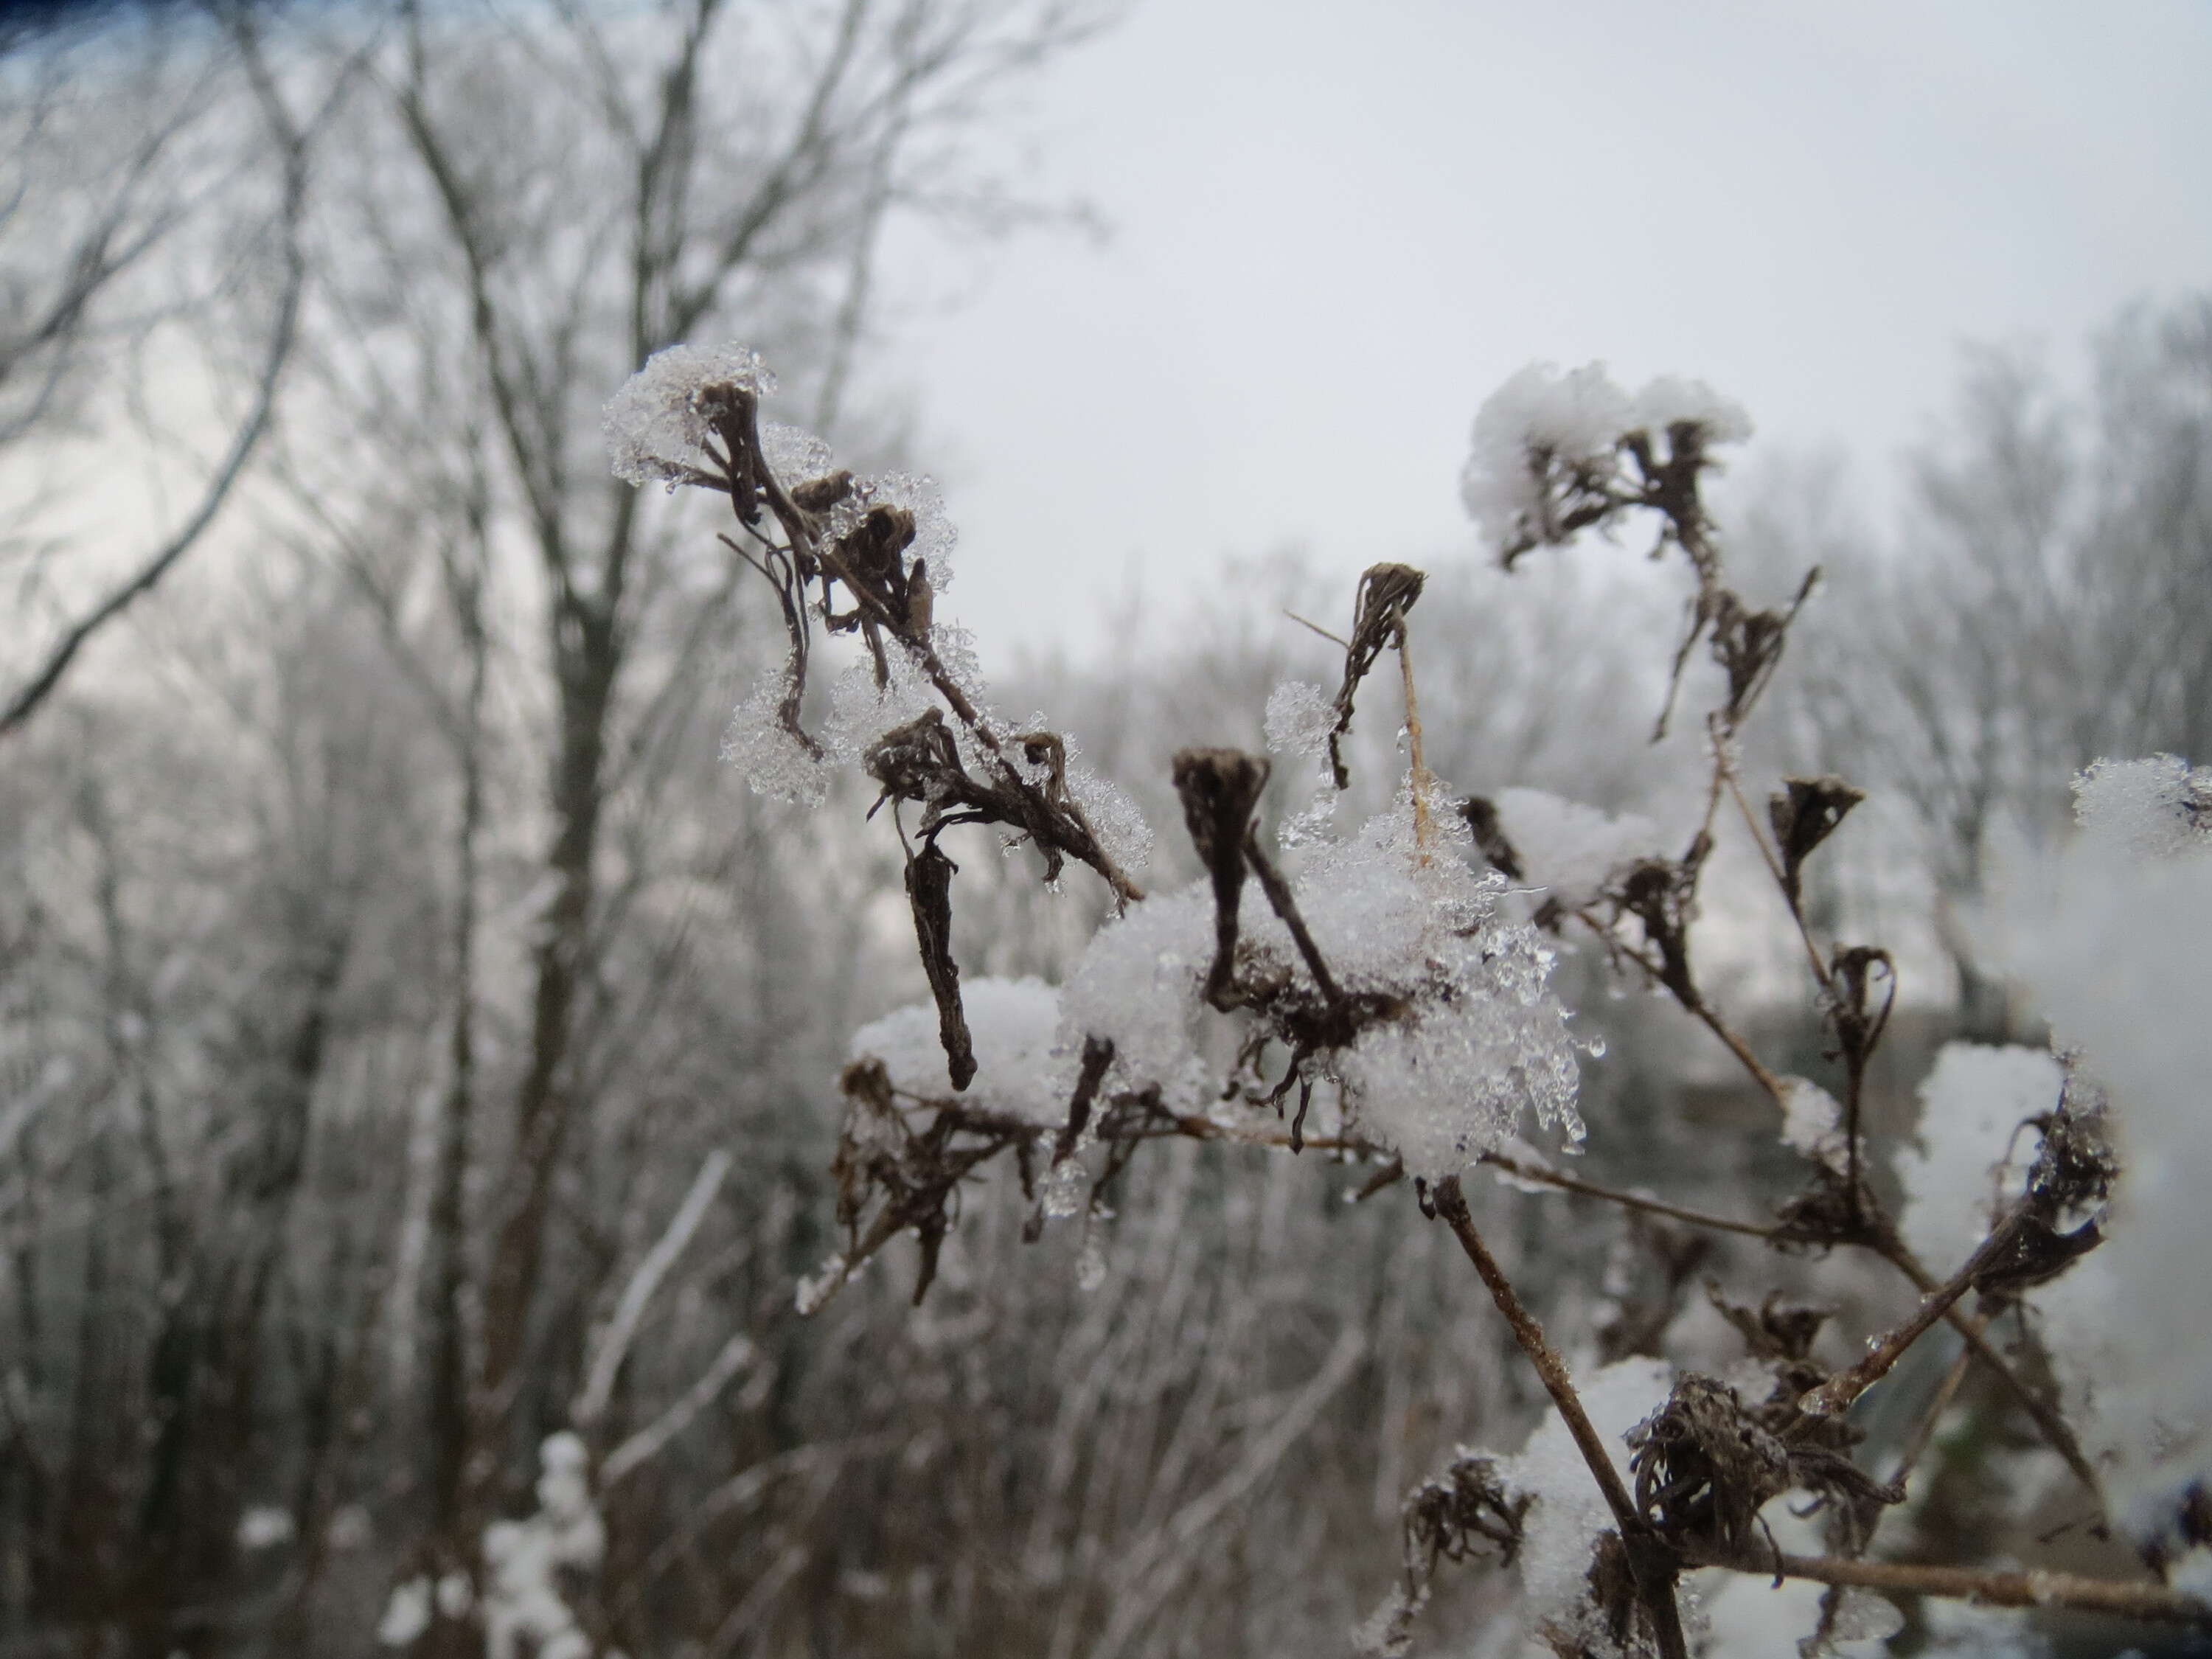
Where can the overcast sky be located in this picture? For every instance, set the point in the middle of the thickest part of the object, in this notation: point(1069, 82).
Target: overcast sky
point(1337, 226)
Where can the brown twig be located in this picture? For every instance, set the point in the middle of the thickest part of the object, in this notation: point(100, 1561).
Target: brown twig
point(1655, 1582)
point(1994, 1587)
point(1567, 1183)
point(1924, 1432)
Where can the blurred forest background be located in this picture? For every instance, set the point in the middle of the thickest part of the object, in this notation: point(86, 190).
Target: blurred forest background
point(384, 952)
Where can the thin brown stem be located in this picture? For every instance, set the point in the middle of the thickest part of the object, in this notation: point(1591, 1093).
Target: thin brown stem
point(1837, 1394)
point(1706, 1014)
point(1418, 771)
point(1993, 1587)
point(1567, 1183)
point(2055, 1432)
point(1284, 906)
point(1946, 1391)
point(1781, 881)
point(1656, 1587)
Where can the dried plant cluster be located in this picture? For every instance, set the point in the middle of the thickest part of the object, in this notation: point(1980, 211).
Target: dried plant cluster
point(1381, 996)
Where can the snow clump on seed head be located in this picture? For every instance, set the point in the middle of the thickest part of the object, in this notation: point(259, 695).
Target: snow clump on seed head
point(1539, 429)
point(655, 429)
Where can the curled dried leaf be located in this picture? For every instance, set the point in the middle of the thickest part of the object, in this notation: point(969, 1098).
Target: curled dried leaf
point(1220, 789)
point(1387, 592)
point(929, 891)
point(1804, 812)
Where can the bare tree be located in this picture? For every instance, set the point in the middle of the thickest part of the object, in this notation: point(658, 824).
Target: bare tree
point(2045, 604)
point(82, 224)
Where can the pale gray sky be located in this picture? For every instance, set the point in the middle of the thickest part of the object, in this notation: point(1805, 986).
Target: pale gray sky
point(1337, 226)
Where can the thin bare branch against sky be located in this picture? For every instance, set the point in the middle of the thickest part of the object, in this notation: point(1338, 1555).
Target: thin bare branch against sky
point(1336, 228)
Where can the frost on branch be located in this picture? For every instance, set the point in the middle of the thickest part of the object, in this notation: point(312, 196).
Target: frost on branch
point(2121, 967)
point(767, 749)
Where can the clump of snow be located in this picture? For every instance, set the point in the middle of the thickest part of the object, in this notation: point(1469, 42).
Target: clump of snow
point(1561, 1529)
point(1137, 986)
point(1546, 443)
point(524, 1611)
point(935, 535)
point(1567, 848)
point(1965, 1630)
point(1813, 1123)
point(2120, 967)
point(2145, 809)
point(406, 1613)
point(1752, 1617)
point(1019, 1070)
point(1480, 1035)
point(772, 761)
point(1300, 716)
point(1470, 1032)
point(1672, 401)
point(1973, 1156)
point(1539, 428)
point(654, 428)
point(264, 1526)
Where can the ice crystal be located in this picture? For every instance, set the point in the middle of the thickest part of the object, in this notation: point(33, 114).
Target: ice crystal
point(1137, 983)
point(1300, 716)
point(1114, 818)
point(795, 454)
point(1466, 1031)
point(654, 428)
point(2152, 808)
point(771, 760)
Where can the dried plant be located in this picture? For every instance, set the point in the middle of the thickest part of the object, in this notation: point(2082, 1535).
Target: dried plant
point(1395, 979)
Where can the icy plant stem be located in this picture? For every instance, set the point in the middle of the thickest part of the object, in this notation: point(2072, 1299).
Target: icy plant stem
point(1657, 1588)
